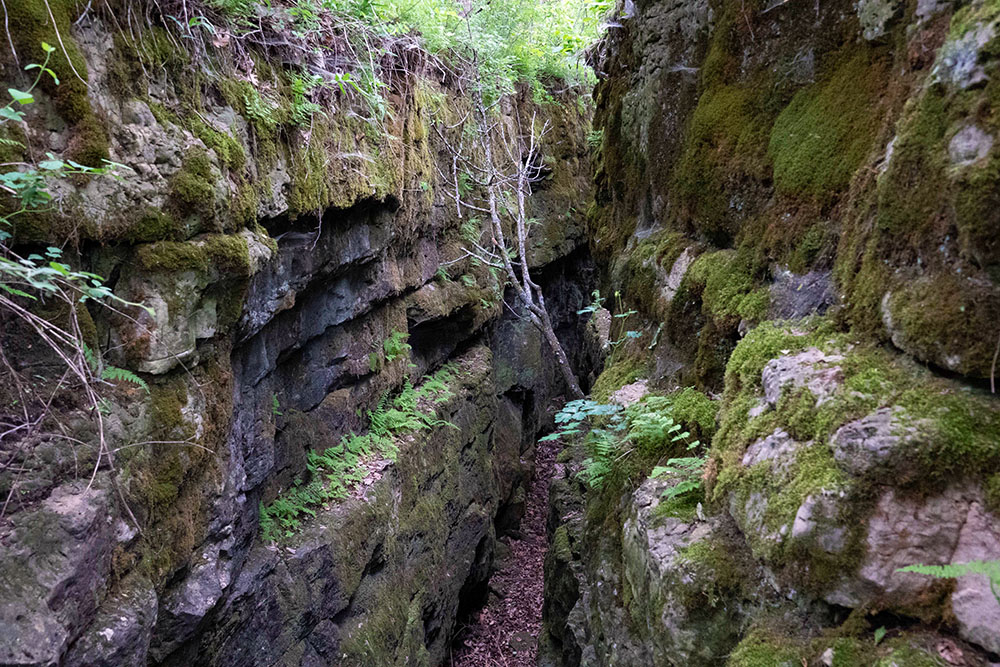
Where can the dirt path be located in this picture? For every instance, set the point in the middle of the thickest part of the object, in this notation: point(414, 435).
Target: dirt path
point(505, 632)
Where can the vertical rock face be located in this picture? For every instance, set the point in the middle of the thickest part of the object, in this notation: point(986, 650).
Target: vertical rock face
point(795, 198)
point(301, 276)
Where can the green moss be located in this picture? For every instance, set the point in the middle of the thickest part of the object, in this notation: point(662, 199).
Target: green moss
point(763, 649)
point(941, 319)
point(616, 375)
point(89, 144)
point(716, 568)
point(825, 133)
point(154, 225)
point(162, 114)
point(13, 144)
point(991, 489)
point(228, 253)
point(137, 53)
point(684, 507)
point(817, 238)
point(191, 188)
point(963, 429)
point(726, 276)
point(902, 653)
point(753, 306)
point(851, 653)
point(226, 147)
point(910, 192)
point(696, 410)
point(639, 271)
point(225, 253)
point(560, 545)
point(767, 342)
point(172, 256)
point(263, 114)
point(724, 145)
point(28, 24)
point(310, 181)
point(977, 213)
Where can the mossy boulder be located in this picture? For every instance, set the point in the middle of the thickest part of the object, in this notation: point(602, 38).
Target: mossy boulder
point(195, 290)
point(829, 447)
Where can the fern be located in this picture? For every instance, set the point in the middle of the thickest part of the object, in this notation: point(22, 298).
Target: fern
point(989, 568)
point(395, 345)
point(336, 470)
point(112, 373)
point(116, 374)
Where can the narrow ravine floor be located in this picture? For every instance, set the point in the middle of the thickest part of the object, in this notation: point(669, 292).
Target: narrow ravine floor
point(505, 632)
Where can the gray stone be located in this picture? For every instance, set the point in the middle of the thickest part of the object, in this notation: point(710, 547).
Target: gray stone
point(926, 9)
point(758, 409)
point(53, 574)
point(778, 448)
point(974, 602)
point(795, 296)
point(656, 571)
point(969, 145)
point(119, 636)
point(874, 16)
point(184, 607)
point(867, 444)
point(630, 393)
point(958, 61)
point(672, 281)
point(812, 369)
point(902, 531)
point(749, 517)
point(949, 528)
point(818, 520)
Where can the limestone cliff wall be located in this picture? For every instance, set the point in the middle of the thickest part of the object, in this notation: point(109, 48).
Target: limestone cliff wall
point(282, 248)
point(795, 197)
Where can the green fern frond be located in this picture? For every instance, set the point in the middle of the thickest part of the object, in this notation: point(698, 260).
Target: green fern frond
point(989, 568)
point(115, 374)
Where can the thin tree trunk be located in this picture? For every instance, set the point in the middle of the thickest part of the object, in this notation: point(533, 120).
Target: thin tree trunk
point(528, 292)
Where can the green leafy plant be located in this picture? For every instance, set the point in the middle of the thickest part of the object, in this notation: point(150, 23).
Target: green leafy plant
point(603, 443)
point(989, 569)
point(303, 108)
point(28, 282)
point(621, 317)
point(595, 138)
point(612, 433)
point(442, 275)
point(335, 471)
point(395, 346)
point(111, 373)
point(596, 304)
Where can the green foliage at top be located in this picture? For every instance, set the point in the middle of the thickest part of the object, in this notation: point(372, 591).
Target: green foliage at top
point(515, 40)
point(511, 40)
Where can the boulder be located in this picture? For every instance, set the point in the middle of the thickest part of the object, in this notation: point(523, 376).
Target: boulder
point(54, 567)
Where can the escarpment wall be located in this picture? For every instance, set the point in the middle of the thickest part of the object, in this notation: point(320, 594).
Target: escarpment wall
point(281, 254)
point(796, 199)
